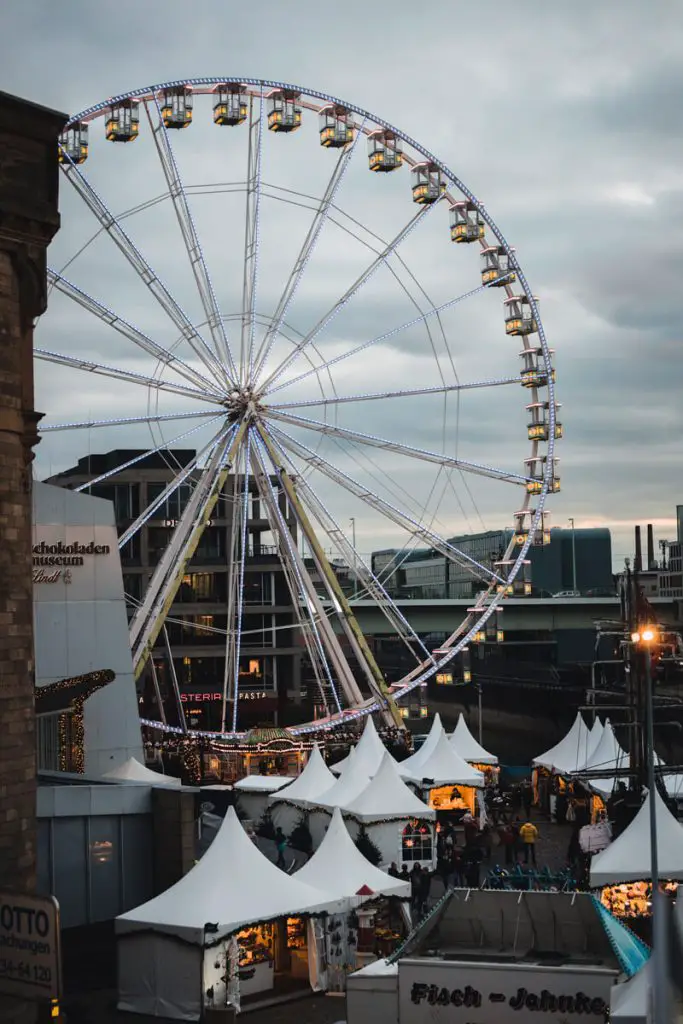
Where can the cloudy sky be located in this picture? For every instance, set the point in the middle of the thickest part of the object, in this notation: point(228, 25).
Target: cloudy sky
point(565, 120)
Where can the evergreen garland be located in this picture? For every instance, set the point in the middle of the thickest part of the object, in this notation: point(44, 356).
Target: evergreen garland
point(301, 838)
point(366, 846)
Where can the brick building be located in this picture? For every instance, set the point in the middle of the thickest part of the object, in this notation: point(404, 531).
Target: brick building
point(28, 220)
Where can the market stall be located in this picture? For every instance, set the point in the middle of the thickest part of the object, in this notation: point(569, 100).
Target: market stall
point(622, 870)
point(446, 781)
point(369, 751)
point(399, 824)
point(221, 933)
point(466, 747)
point(607, 755)
point(412, 765)
point(565, 757)
point(344, 790)
point(254, 791)
point(133, 771)
point(288, 805)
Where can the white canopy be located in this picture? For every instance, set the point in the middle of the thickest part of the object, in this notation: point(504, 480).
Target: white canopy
point(132, 771)
point(607, 754)
point(263, 783)
point(315, 779)
point(346, 788)
point(233, 885)
point(369, 751)
point(411, 767)
point(627, 859)
point(338, 867)
point(596, 734)
point(630, 1002)
point(443, 766)
point(465, 745)
point(570, 753)
point(387, 796)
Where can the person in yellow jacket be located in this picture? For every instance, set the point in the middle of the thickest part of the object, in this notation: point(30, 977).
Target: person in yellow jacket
point(528, 833)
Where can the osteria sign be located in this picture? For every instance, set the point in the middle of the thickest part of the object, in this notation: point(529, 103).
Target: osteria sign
point(453, 992)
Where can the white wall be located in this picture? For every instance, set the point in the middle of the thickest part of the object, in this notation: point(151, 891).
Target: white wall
point(81, 626)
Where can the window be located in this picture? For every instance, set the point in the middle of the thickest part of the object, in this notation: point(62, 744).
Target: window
point(417, 842)
point(174, 505)
point(258, 588)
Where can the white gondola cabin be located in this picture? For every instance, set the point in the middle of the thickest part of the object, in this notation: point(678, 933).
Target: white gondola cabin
point(385, 151)
point(519, 316)
point(534, 373)
point(176, 107)
point(495, 266)
point(535, 467)
point(73, 144)
point(428, 184)
point(538, 428)
point(467, 223)
point(284, 110)
point(230, 104)
point(123, 121)
point(523, 521)
point(336, 126)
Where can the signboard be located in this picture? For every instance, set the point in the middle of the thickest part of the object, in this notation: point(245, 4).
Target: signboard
point(490, 993)
point(30, 963)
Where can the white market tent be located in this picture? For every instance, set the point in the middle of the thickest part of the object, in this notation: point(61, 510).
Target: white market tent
point(607, 755)
point(347, 787)
point(627, 859)
point(132, 771)
point(570, 753)
point(443, 767)
point(631, 1002)
point(160, 944)
point(465, 745)
point(369, 751)
point(263, 783)
point(288, 804)
point(338, 867)
point(411, 767)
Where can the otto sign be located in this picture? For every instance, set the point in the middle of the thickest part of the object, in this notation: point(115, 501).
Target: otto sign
point(30, 965)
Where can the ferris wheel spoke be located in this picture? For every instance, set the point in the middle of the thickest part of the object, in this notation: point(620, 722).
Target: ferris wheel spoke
point(188, 230)
point(129, 376)
point(184, 474)
point(149, 617)
point(359, 567)
point(325, 641)
point(128, 331)
point(366, 275)
point(252, 239)
point(145, 455)
point(142, 268)
point(306, 251)
point(435, 311)
point(412, 526)
point(409, 393)
point(123, 421)
point(421, 454)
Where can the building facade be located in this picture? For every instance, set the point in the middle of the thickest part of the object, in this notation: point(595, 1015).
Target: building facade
point(270, 671)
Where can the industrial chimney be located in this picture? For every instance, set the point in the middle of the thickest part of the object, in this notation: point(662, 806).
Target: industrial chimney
point(638, 558)
point(651, 564)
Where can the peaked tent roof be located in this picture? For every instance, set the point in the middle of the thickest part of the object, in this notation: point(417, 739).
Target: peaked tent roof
point(571, 752)
point(369, 749)
point(444, 766)
point(606, 754)
point(465, 745)
point(338, 867)
point(132, 771)
point(630, 1001)
point(263, 783)
point(387, 796)
point(627, 859)
point(252, 890)
point(413, 764)
point(315, 779)
point(346, 788)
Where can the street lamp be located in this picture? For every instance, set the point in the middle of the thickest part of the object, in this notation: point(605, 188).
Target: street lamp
point(570, 520)
point(644, 638)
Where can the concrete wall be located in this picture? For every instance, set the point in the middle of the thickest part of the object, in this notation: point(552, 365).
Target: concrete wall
point(80, 621)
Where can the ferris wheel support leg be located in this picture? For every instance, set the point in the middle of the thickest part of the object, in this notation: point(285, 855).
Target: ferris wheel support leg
point(157, 691)
point(349, 622)
point(174, 680)
point(232, 583)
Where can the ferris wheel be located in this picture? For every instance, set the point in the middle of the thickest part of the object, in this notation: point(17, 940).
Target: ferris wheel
point(331, 353)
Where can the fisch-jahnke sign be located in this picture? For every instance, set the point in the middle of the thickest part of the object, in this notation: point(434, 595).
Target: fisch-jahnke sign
point(54, 562)
point(467, 993)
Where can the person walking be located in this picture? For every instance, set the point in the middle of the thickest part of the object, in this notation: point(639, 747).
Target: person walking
point(528, 833)
point(280, 846)
point(507, 839)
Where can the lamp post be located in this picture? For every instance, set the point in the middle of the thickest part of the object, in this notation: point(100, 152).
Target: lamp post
point(573, 554)
point(644, 638)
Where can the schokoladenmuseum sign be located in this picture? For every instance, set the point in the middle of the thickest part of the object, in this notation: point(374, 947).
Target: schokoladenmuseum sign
point(54, 563)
